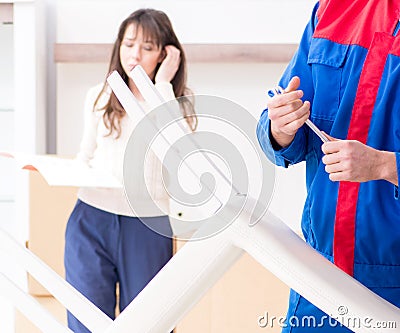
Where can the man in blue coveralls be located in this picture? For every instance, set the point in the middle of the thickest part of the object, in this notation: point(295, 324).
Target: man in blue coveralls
point(345, 77)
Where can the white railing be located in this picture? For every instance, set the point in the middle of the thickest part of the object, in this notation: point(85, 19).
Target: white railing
point(68, 296)
point(196, 268)
point(30, 307)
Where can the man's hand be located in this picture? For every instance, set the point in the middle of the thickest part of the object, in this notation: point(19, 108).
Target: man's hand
point(287, 113)
point(351, 160)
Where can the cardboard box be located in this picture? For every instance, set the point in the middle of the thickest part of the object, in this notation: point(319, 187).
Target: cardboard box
point(50, 207)
point(237, 301)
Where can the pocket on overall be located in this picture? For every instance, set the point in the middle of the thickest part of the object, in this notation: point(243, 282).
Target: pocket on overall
point(326, 59)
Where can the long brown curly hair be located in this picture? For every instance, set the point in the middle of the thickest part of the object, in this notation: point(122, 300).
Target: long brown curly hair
point(156, 26)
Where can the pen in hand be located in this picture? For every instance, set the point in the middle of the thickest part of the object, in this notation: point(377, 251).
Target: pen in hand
point(278, 91)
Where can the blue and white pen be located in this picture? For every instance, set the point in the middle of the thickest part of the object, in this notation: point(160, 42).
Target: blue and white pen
point(277, 91)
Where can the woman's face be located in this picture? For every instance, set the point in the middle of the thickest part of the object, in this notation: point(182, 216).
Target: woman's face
point(135, 50)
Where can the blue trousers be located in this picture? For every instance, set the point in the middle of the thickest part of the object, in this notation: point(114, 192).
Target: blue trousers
point(103, 249)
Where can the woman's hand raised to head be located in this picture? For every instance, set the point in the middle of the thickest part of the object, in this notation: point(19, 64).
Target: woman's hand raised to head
point(169, 65)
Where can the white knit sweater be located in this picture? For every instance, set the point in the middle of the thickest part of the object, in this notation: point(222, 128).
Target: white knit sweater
point(99, 150)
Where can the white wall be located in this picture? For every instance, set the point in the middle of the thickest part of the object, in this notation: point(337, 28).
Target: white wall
point(206, 21)
point(6, 67)
point(195, 22)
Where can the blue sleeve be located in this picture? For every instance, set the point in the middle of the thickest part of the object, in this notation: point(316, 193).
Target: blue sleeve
point(284, 156)
point(396, 188)
point(298, 66)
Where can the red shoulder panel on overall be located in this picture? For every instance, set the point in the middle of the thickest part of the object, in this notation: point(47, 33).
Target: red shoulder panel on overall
point(355, 21)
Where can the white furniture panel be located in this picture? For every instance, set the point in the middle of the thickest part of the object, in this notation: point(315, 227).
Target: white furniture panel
point(6, 67)
point(7, 166)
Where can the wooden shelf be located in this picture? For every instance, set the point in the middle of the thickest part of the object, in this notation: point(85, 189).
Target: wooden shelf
point(258, 53)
